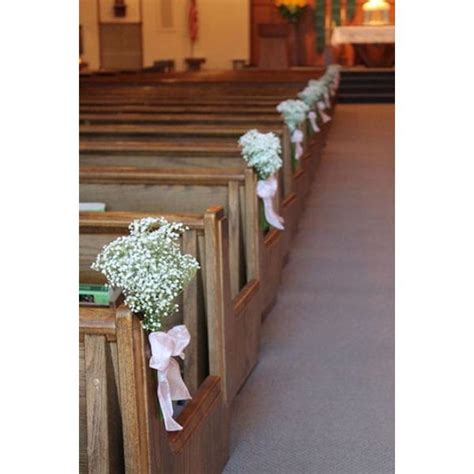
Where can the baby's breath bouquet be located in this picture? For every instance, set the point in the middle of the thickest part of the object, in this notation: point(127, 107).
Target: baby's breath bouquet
point(332, 75)
point(291, 9)
point(333, 70)
point(262, 152)
point(149, 268)
point(294, 112)
point(313, 92)
point(310, 95)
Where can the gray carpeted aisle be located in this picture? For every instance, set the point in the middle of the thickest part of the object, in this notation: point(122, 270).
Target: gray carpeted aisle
point(321, 399)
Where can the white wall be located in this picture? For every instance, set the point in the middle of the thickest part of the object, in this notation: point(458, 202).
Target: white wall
point(107, 12)
point(89, 19)
point(224, 30)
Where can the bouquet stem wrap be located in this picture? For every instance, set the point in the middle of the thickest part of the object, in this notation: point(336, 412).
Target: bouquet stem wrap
point(266, 190)
point(297, 139)
point(312, 120)
point(321, 107)
point(165, 346)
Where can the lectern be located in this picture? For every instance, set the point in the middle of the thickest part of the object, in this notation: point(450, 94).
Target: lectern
point(274, 46)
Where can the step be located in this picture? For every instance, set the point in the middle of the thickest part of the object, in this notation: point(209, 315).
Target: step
point(382, 98)
point(366, 88)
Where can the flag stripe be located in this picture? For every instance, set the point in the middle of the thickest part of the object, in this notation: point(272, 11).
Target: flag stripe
point(193, 21)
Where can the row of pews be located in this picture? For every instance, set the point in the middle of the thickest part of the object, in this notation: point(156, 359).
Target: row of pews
point(166, 145)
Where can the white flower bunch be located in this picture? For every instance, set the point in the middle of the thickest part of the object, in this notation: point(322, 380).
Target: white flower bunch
point(262, 152)
point(312, 93)
point(332, 73)
point(333, 69)
point(294, 112)
point(149, 268)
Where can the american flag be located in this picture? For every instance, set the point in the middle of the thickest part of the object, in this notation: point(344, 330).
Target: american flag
point(193, 21)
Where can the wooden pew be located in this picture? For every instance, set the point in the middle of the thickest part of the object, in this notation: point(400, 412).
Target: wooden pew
point(212, 77)
point(251, 253)
point(170, 153)
point(236, 321)
point(121, 430)
point(183, 107)
point(217, 108)
point(114, 117)
point(184, 132)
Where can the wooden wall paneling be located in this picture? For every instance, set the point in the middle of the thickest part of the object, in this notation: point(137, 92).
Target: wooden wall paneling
point(274, 49)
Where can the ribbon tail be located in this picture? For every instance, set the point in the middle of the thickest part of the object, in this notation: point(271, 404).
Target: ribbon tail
point(164, 397)
point(325, 117)
point(327, 100)
point(314, 125)
point(298, 150)
point(272, 217)
point(177, 387)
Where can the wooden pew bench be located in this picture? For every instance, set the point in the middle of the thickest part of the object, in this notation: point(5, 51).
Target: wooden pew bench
point(180, 108)
point(173, 155)
point(120, 425)
point(254, 121)
point(235, 322)
point(252, 255)
point(187, 133)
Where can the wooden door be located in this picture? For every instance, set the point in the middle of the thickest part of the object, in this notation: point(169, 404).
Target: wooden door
point(121, 46)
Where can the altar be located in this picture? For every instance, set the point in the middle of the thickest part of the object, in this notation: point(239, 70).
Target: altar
point(374, 45)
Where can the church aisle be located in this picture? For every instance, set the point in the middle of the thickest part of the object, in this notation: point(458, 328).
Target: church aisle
point(321, 399)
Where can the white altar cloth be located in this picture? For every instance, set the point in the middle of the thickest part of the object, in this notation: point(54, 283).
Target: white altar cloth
point(362, 34)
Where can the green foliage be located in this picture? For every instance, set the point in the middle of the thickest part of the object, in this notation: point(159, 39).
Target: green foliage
point(336, 12)
point(291, 14)
point(350, 9)
point(319, 26)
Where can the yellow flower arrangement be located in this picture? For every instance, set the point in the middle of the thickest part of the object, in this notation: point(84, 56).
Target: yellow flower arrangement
point(291, 9)
point(291, 3)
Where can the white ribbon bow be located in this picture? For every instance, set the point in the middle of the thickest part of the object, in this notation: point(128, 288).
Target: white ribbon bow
point(266, 190)
point(170, 384)
point(312, 119)
point(297, 138)
point(321, 107)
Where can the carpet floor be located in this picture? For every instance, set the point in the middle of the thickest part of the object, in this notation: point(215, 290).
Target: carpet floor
point(321, 399)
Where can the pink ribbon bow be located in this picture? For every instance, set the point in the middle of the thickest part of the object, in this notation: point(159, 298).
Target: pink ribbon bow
point(297, 139)
point(266, 190)
point(312, 119)
point(321, 107)
point(170, 384)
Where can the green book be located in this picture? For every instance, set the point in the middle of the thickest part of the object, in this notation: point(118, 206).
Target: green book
point(94, 294)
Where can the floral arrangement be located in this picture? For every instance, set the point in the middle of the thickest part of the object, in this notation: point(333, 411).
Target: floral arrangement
point(291, 9)
point(313, 92)
point(294, 112)
point(334, 69)
point(262, 152)
point(331, 76)
point(149, 268)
